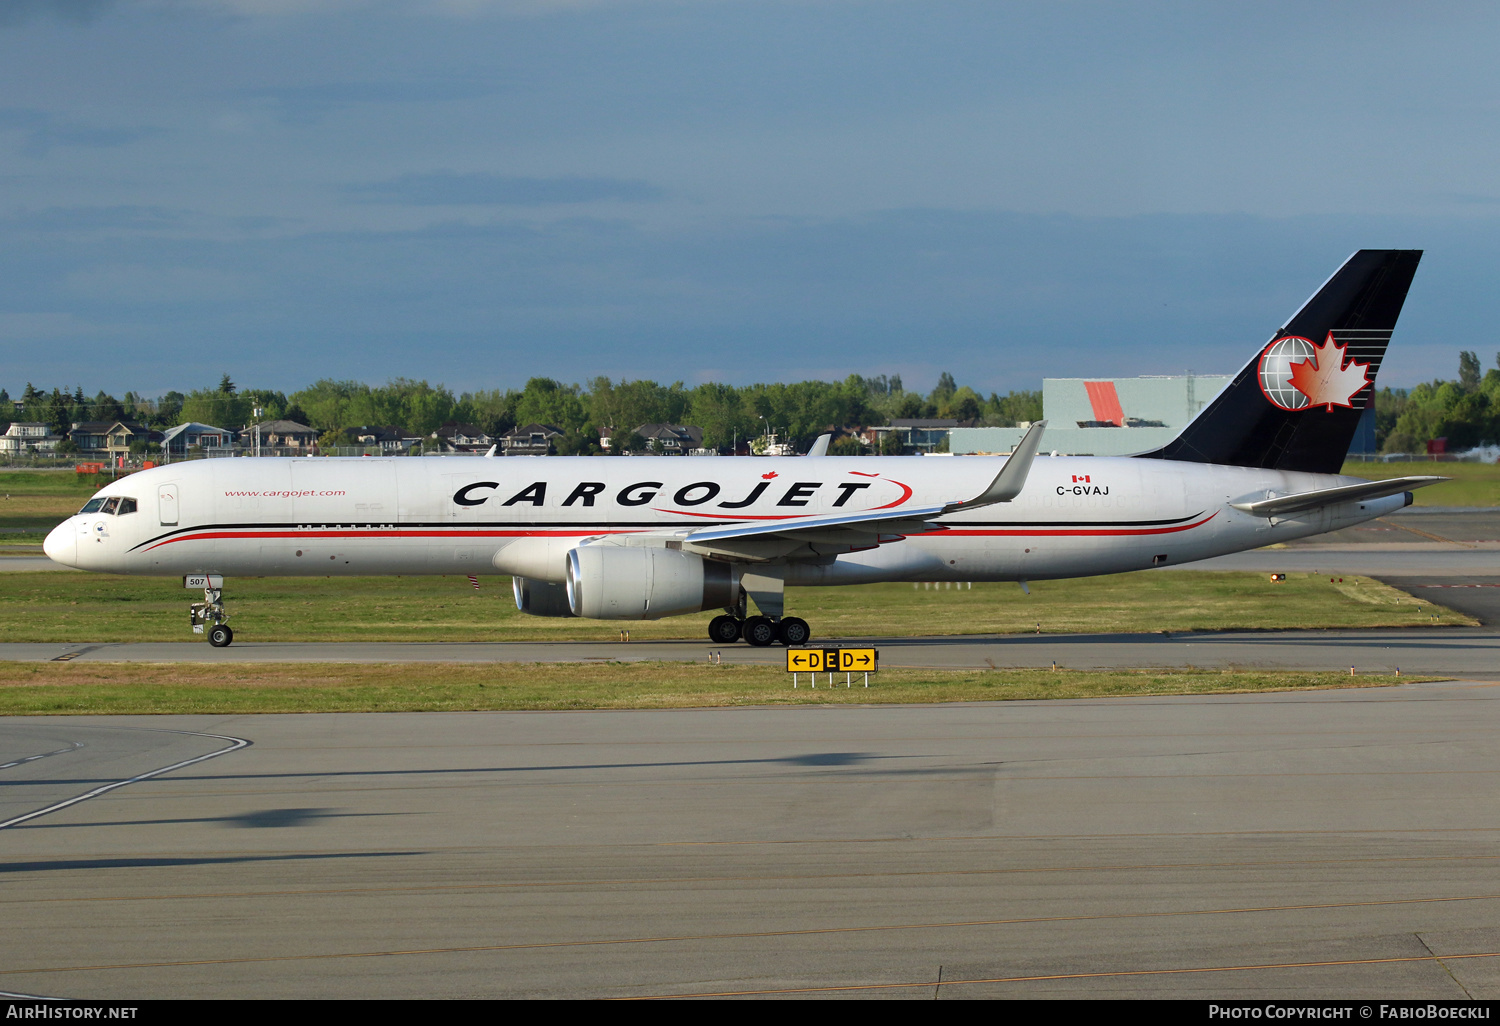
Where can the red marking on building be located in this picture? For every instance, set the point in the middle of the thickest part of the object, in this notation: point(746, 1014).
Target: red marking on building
point(1106, 402)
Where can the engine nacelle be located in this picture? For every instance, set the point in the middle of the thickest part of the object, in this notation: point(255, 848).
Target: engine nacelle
point(611, 582)
point(538, 558)
point(541, 598)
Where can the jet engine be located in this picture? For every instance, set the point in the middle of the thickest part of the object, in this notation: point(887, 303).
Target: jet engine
point(609, 582)
point(541, 598)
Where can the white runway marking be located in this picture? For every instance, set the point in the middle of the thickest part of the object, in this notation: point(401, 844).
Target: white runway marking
point(235, 744)
point(72, 747)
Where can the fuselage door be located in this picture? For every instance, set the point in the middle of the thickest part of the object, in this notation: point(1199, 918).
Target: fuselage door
point(166, 504)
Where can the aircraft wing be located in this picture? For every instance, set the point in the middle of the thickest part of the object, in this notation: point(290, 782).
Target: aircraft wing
point(871, 523)
point(1296, 503)
point(831, 533)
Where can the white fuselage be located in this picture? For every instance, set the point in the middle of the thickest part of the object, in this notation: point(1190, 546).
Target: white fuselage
point(1076, 516)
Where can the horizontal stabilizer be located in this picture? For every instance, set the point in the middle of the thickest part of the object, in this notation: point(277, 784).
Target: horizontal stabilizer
point(1296, 503)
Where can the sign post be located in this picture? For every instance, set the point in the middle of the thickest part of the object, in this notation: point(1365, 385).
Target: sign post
point(850, 661)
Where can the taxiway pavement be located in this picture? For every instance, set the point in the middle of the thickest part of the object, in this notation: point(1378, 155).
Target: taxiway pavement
point(1467, 652)
point(1258, 846)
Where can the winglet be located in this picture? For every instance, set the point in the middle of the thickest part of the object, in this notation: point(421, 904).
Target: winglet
point(1012, 477)
point(820, 447)
point(491, 453)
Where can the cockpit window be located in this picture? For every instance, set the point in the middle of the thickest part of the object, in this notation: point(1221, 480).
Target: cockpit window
point(92, 506)
point(111, 505)
point(126, 506)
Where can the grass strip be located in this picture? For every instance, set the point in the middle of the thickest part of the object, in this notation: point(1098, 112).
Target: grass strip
point(74, 607)
point(36, 689)
point(42, 499)
point(1473, 484)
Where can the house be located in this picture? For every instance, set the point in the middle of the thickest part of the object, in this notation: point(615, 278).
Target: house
point(391, 439)
point(531, 440)
point(110, 437)
point(28, 436)
point(664, 439)
point(178, 440)
point(671, 439)
point(455, 437)
point(280, 434)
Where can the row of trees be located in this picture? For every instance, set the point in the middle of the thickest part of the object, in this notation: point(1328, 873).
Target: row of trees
point(1466, 411)
point(797, 412)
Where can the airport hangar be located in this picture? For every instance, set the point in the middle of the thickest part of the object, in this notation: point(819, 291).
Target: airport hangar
point(1119, 416)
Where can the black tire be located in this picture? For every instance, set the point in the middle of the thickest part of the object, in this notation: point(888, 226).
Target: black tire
point(219, 635)
point(793, 631)
point(760, 631)
point(724, 630)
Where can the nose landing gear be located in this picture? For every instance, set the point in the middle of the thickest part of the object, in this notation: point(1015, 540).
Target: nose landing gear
point(208, 616)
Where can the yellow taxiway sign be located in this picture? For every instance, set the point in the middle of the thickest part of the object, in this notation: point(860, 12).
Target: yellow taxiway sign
point(829, 660)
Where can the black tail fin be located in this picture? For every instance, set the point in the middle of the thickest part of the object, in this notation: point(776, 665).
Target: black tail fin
point(1297, 404)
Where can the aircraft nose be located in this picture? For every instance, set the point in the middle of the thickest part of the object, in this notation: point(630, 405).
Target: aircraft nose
point(61, 546)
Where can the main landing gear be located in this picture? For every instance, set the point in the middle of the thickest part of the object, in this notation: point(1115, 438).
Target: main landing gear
point(759, 631)
point(767, 587)
point(209, 617)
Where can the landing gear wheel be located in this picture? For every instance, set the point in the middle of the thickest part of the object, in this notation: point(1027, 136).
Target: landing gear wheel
point(760, 631)
point(219, 635)
point(725, 630)
point(793, 631)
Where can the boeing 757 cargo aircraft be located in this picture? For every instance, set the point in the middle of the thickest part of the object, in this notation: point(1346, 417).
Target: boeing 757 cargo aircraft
point(642, 538)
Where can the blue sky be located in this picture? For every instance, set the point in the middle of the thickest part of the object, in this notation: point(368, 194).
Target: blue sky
point(478, 191)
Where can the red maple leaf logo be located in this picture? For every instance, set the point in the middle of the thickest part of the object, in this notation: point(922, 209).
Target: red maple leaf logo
point(1325, 380)
point(769, 476)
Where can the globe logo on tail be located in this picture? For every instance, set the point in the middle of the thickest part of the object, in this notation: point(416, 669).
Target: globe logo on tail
point(1295, 374)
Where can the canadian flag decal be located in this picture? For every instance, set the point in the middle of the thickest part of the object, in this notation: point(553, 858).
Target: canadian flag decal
point(1080, 477)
